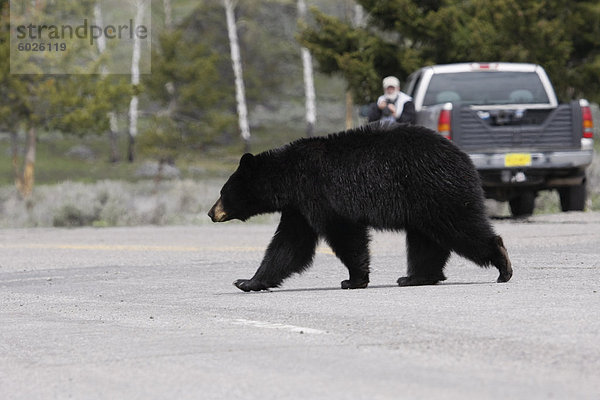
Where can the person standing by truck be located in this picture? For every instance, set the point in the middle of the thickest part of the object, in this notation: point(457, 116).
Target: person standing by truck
point(393, 105)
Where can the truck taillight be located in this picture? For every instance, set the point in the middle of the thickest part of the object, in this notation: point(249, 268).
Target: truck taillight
point(587, 120)
point(484, 66)
point(444, 121)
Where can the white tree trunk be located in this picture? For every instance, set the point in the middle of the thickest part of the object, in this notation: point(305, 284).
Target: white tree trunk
point(135, 78)
point(359, 20)
point(168, 14)
point(309, 85)
point(169, 86)
point(112, 115)
point(240, 95)
point(101, 41)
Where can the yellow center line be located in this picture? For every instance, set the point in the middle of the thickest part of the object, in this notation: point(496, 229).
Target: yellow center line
point(137, 247)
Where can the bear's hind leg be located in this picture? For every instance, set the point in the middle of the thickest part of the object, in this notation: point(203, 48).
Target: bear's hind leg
point(487, 249)
point(350, 243)
point(291, 250)
point(502, 262)
point(426, 260)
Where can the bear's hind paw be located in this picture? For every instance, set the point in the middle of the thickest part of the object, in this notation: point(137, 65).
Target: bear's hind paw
point(348, 284)
point(504, 277)
point(248, 285)
point(419, 280)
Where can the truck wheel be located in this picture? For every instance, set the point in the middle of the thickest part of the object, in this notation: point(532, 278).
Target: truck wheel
point(572, 198)
point(523, 204)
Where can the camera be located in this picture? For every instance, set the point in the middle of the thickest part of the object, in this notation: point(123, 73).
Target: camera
point(386, 111)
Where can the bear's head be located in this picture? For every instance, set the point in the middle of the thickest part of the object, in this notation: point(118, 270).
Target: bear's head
point(238, 199)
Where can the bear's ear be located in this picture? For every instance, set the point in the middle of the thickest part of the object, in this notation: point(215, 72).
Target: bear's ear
point(247, 161)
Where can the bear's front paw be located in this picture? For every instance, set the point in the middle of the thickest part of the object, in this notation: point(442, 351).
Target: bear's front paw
point(248, 285)
point(348, 284)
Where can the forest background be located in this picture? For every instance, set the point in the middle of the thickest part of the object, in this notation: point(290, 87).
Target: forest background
point(89, 169)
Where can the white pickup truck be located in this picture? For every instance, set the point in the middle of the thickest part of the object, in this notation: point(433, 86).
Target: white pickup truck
point(507, 118)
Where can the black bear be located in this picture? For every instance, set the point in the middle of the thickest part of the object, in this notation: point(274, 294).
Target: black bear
point(386, 177)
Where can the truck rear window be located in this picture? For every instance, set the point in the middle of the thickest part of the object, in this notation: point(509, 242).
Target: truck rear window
point(486, 88)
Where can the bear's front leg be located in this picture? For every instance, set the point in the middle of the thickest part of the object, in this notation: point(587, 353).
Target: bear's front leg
point(291, 250)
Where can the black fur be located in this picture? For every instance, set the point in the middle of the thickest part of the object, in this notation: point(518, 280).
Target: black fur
point(390, 177)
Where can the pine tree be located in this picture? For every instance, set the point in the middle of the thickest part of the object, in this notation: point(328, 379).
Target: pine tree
point(194, 110)
point(402, 35)
point(36, 102)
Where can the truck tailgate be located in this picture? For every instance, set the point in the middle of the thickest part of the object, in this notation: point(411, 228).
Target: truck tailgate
point(562, 129)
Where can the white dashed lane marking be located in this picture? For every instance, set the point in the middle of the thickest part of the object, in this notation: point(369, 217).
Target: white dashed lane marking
point(274, 325)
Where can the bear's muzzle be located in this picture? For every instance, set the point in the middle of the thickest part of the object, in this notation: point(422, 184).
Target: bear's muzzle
point(217, 213)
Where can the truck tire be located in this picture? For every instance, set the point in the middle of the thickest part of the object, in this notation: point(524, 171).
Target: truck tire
point(522, 205)
point(572, 198)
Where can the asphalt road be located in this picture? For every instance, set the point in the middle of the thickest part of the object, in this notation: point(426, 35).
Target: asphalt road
point(150, 313)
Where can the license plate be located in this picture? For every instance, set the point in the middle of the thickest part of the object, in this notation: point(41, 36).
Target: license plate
point(517, 160)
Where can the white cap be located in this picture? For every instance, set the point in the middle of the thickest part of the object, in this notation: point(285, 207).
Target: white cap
point(391, 81)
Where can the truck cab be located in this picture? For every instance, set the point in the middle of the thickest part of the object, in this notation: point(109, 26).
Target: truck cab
point(506, 116)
